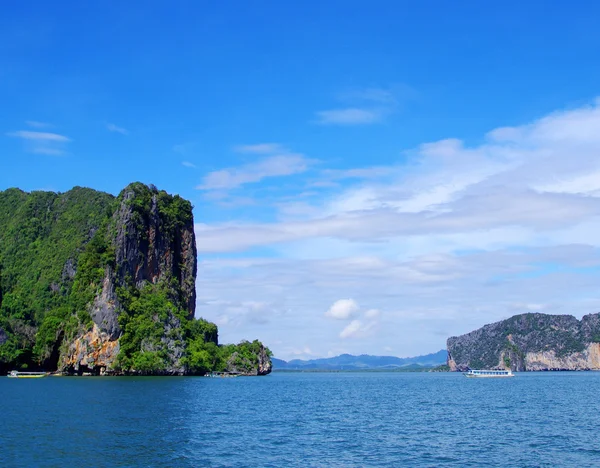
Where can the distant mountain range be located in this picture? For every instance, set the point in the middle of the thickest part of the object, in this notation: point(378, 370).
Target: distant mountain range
point(362, 362)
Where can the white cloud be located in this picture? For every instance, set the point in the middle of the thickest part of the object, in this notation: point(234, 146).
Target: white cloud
point(342, 309)
point(449, 239)
point(488, 211)
point(42, 142)
point(537, 183)
point(261, 148)
point(243, 313)
point(188, 164)
point(426, 298)
point(352, 329)
point(372, 314)
point(39, 136)
point(358, 329)
point(273, 166)
point(349, 116)
point(367, 106)
point(37, 124)
point(359, 173)
point(113, 128)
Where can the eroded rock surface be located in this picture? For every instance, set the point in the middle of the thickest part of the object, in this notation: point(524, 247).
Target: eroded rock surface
point(150, 245)
point(533, 342)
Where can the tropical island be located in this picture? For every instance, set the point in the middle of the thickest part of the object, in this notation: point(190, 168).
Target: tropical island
point(529, 342)
point(96, 284)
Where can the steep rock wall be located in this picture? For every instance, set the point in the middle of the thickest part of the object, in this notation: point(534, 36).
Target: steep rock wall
point(92, 283)
point(152, 237)
point(260, 364)
point(529, 342)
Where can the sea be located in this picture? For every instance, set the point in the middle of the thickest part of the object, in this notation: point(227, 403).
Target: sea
point(348, 419)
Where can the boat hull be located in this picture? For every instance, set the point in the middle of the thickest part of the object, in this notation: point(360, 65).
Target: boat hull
point(471, 376)
point(31, 375)
point(488, 374)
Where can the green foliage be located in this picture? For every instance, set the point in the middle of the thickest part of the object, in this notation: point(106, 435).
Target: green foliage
point(40, 234)
point(244, 356)
point(519, 335)
point(55, 251)
point(148, 362)
point(50, 331)
point(568, 344)
point(441, 368)
point(175, 212)
point(203, 357)
point(146, 314)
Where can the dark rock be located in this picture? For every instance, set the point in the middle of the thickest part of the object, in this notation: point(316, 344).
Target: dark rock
point(147, 249)
point(265, 366)
point(69, 270)
point(105, 311)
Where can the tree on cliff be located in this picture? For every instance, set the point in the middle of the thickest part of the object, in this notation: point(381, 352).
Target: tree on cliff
point(96, 283)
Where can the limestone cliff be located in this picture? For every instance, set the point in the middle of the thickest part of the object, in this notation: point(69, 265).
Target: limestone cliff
point(530, 342)
point(257, 362)
point(92, 283)
point(151, 236)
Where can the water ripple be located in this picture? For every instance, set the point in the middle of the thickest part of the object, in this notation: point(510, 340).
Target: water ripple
point(303, 420)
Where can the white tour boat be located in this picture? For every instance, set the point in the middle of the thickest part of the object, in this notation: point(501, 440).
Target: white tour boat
point(488, 373)
point(26, 375)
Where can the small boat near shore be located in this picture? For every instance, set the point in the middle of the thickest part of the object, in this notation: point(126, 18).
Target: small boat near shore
point(222, 374)
point(488, 373)
point(26, 375)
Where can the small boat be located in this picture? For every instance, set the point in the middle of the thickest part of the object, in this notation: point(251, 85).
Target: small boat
point(488, 373)
point(26, 375)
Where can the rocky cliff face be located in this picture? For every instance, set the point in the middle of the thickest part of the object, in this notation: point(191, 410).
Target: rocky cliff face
point(151, 235)
point(258, 363)
point(153, 244)
point(530, 342)
point(90, 283)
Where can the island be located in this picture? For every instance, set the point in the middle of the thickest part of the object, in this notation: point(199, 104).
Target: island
point(529, 342)
point(96, 284)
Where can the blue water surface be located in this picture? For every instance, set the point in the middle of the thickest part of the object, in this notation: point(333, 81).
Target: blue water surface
point(302, 419)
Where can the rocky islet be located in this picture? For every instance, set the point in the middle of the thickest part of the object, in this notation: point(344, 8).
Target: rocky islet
point(530, 342)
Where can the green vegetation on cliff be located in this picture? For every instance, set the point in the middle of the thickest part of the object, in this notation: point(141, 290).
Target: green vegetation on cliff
point(562, 338)
point(93, 282)
point(42, 235)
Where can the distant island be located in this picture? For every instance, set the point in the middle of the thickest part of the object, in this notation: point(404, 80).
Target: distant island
point(96, 284)
point(363, 362)
point(530, 342)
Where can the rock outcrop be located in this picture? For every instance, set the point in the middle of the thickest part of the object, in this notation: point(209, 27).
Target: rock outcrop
point(265, 366)
point(93, 352)
point(153, 241)
point(258, 363)
point(152, 236)
point(530, 342)
point(92, 283)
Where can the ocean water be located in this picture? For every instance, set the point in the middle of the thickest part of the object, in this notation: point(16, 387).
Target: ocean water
point(303, 420)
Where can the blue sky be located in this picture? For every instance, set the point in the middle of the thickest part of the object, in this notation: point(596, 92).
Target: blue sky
point(368, 177)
